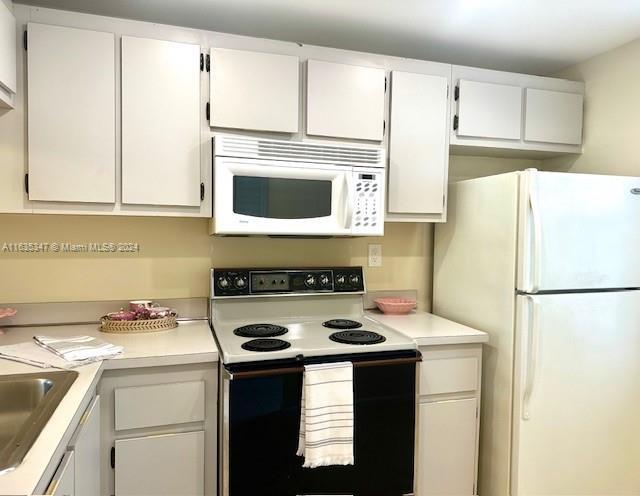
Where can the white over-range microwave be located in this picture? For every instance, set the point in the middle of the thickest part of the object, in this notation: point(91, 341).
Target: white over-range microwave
point(297, 188)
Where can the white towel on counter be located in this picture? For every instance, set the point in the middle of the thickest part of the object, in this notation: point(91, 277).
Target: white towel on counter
point(326, 419)
point(79, 349)
point(32, 354)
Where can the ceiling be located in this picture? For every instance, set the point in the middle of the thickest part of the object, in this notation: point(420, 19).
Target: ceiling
point(534, 36)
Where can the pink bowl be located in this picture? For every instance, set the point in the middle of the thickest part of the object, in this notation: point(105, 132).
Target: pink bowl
point(397, 306)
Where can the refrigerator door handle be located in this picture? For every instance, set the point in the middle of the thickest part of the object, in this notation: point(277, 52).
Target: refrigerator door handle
point(537, 234)
point(533, 339)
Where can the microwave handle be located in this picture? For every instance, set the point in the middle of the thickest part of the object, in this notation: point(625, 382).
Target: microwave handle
point(348, 215)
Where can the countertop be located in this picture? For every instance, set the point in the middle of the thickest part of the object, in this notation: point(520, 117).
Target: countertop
point(191, 342)
point(427, 329)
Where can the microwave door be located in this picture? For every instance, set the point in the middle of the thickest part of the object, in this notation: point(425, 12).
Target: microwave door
point(264, 197)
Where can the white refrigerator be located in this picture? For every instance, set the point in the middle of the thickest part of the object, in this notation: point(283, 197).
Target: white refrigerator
point(548, 264)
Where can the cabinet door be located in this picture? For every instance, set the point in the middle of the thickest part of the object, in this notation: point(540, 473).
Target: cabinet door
point(7, 49)
point(71, 114)
point(447, 447)
point(345, 101)
point(417, 143)
point(487, 110)
point(553, 117)
point(252, 90)
point(86, 445)
point(63, 482)
point(160, 122)
point(171, 464)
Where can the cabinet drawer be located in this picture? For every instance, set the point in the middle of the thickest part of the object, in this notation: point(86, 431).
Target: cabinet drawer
point(450, 375)
point(159, 404)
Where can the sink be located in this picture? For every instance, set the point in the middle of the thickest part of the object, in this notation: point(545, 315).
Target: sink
point(27, 401)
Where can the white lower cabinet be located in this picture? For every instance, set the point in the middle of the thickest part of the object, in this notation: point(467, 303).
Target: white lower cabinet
point(447, 457)
point(159, 431)
point(79, 471)
point(63, 482)
point(448, 420)
point(170, 464)
point(86, 445)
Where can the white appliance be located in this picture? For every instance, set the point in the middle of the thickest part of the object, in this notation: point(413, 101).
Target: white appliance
point(548, 263)
point(293, 188)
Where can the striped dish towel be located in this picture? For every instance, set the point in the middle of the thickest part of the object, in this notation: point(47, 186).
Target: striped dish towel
point(79, 349)
point(326, 418)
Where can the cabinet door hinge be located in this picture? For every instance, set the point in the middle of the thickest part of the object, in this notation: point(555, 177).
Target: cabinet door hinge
point(24, 39)
point(456, 93)
point(201, 62)
point(208, 111)
point(385, 84)
point(201, 191)
point(384, 127)
point(456, 122)
point(112, 456)
point(208, 63)
point(26, 183)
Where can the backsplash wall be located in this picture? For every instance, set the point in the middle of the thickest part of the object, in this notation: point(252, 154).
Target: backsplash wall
point(176, 254)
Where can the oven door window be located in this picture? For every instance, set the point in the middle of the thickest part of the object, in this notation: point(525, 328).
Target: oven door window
point(281, 198)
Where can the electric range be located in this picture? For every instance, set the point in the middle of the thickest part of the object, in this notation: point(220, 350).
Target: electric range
point(269, 324)
point(280, 314)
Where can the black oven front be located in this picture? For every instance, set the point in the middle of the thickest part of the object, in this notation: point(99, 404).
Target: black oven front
point(260, 417)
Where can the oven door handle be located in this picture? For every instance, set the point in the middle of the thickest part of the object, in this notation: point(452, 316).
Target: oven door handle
point(250, 374)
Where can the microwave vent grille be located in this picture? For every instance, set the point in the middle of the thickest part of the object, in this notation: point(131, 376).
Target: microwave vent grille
point(299, 151)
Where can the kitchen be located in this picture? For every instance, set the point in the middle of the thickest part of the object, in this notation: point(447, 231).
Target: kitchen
point(146, 112)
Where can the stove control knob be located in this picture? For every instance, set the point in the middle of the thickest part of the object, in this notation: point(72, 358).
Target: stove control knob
point(340, 279)
point(354, 279)
point(324, 280)
point(240, 282)
point(223, 282)
point(310, 281)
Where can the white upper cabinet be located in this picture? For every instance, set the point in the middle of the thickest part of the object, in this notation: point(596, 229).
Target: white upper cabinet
point(7, 56)
point(487, 110)
point(345, 101)
point(71, 114)
point(160, 122)
point(418, 144)
point(553, 117)
point(255, 91)
point(494, 112)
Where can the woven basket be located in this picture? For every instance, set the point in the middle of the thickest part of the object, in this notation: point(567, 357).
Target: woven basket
point(138, 326)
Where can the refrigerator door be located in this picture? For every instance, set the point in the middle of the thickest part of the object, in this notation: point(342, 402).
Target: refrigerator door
point(576, 395)
point(578, 231)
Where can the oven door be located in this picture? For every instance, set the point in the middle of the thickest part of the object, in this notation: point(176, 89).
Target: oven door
point(253, 196)
point(260, 419)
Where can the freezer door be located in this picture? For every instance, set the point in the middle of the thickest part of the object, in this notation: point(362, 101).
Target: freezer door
point(576, 395)
point(578, 231)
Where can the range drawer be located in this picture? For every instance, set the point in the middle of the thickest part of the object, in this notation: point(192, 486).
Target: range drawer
point(159, 404)
point(448, 375)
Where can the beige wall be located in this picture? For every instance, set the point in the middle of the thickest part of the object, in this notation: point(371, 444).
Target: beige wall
point(175, 255)
point(612, 124)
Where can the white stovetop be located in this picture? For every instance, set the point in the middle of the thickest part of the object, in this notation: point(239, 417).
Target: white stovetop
point(308, 337)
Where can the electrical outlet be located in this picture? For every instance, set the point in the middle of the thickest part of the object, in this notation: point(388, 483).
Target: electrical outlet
point(375, 255)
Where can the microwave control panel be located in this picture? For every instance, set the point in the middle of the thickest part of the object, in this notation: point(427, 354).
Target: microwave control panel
point(368, 215)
